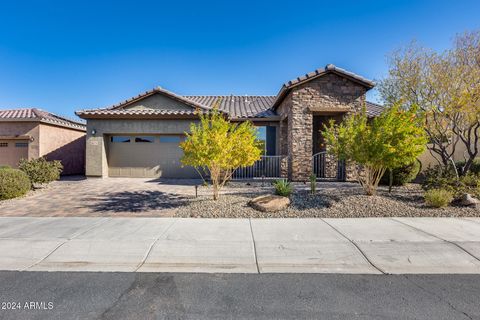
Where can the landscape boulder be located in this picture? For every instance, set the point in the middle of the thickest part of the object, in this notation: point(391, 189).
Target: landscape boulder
point(468, 201)
point(269, 203)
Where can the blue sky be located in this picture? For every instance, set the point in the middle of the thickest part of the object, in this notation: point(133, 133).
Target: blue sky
point(63, 56)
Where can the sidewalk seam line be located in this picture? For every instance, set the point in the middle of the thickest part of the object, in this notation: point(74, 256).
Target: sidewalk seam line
point(152, 245)
point(356, 246)
point(432, 235)
point(67, 240)
point(254, 246)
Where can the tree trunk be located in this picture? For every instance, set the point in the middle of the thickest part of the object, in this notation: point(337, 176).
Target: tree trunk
point(390, 180)
point(215, 191)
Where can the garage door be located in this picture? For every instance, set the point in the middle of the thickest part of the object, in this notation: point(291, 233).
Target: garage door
point(11, 151)
point(147, 157)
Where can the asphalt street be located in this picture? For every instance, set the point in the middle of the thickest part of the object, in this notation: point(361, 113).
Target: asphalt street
point(83, 295)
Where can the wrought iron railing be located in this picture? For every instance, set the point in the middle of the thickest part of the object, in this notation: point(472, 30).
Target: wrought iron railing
point(267, 167)
point(326, 166)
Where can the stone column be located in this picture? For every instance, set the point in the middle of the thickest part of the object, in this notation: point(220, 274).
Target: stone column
point(283, 147)
point(300, 125)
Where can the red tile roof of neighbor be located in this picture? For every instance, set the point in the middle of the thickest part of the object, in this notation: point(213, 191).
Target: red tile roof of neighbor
point(38, 115)
point(237, 107)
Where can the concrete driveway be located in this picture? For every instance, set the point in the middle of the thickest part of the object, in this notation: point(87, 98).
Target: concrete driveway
point(363, 246)
point(80, 197)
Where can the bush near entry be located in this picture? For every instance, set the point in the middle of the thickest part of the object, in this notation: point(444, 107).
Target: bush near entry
point(13, 183)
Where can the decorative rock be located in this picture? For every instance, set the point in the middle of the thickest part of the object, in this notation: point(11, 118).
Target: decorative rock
point(468, 201)
point(269, 203)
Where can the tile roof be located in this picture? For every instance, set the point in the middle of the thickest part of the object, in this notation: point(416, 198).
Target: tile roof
point(146, 94)
point(239, 107)
point(374, 109)
point(34, 114)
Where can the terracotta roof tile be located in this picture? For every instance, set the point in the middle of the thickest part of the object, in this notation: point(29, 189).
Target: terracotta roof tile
point(34, 114)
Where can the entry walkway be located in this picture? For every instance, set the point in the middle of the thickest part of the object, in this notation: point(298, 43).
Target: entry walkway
point(363, 246)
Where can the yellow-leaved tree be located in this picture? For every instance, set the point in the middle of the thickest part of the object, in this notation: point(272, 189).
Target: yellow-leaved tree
point(392, 140)
point(217, 147)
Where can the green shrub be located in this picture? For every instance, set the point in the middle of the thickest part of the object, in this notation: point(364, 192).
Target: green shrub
point(283, 187)
point(437, 178)
point(5, 167)
point(402, 175)
point(438, 198)
point(40, 170)
point(313, 183)
point(13, 183)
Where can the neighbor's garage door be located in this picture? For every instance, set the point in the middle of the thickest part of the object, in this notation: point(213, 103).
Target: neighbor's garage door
point(11, 151)
point(147, 157)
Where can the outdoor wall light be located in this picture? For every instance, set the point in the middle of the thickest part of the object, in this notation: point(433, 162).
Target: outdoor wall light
point(94, 132)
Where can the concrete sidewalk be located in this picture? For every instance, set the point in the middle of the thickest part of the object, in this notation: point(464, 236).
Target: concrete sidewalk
point(364, 246)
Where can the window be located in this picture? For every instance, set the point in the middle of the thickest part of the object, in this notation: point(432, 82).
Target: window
point(262, 139)
point(3, 144)
point(21, 144)
point(267, 137)
point(145, 139)
point(120, 139)
point(171, 139)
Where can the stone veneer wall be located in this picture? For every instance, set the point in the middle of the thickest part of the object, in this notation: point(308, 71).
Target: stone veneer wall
point(327, 94)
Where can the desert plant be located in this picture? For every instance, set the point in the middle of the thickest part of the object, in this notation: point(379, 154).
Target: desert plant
point(40, 170)
point(313, 183)
point(283, 187)
point(393, 139)
point(440, 178)
point(13, 183)
point(217, 147)
point(438, 198)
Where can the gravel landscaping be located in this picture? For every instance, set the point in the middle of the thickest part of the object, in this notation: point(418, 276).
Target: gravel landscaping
point(332, 200)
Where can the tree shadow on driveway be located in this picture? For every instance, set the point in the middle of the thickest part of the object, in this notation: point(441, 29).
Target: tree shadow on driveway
point(137, 201)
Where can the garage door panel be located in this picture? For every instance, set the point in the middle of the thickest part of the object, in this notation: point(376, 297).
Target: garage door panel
point(148, 159)
point(11, 151)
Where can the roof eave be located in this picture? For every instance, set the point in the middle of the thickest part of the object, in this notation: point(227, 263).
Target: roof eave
point(79, 127)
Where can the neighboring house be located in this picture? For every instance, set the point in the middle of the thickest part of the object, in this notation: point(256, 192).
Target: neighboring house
point(140, 137)
point(33, 133)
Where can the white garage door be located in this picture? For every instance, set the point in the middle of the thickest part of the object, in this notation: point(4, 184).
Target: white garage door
point(147, 157)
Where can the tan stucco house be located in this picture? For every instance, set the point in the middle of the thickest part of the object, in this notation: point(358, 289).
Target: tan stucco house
point(140, 137)
point(33, 133)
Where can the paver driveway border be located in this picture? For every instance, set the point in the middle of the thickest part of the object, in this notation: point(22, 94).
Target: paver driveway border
point(364, 246)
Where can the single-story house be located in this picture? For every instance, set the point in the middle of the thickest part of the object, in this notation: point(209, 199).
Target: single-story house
point(33, 133)
point(140, 137)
